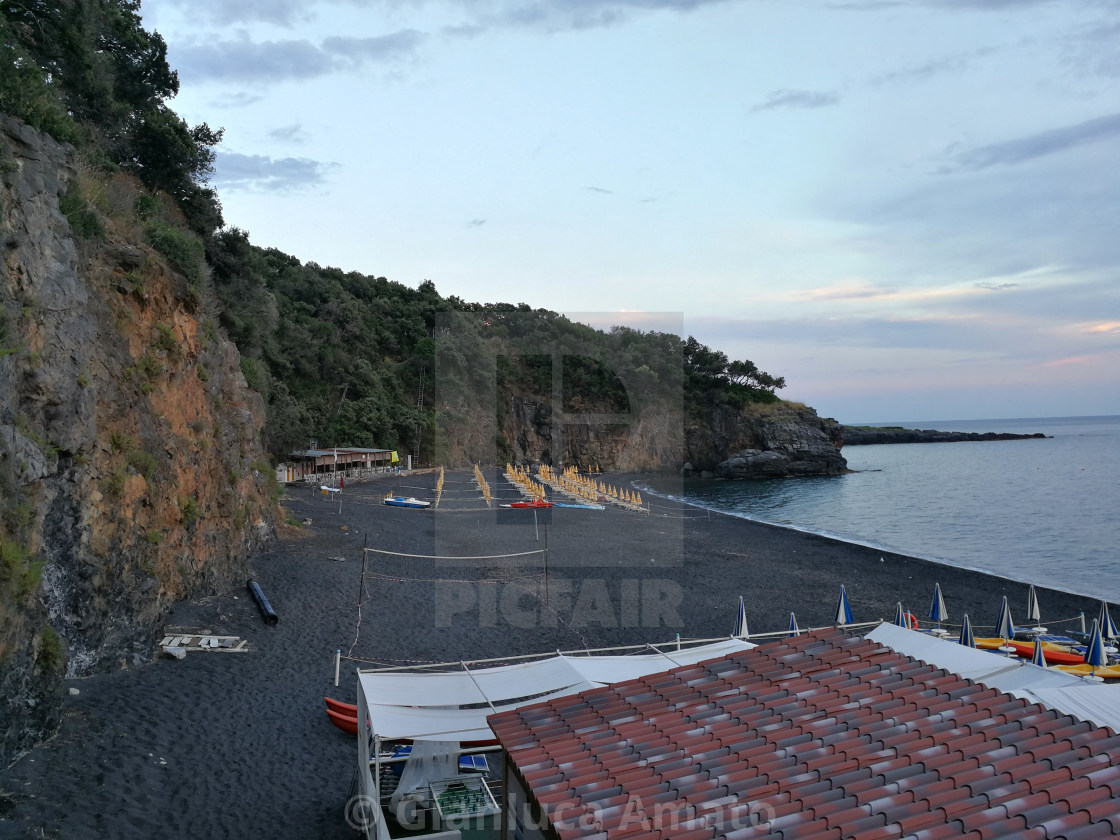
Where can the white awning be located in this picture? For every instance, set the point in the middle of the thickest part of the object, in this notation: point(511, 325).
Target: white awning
point(1049, 687)
point(420, 705)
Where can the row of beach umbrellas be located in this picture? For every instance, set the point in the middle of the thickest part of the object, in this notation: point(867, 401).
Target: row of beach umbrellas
point(1103, 631)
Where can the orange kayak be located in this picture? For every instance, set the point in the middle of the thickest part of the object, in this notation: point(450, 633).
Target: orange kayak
point(1054, 654)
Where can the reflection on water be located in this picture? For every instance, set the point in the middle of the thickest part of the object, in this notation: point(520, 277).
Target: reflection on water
point(1044, 511)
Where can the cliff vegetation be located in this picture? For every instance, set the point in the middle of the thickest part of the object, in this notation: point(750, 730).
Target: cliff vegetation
point(152, 358)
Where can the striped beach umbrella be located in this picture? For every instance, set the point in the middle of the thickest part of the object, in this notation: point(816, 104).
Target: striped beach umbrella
point(900, 616)
point(1037, 656)
point(1107, 625)
point(794, 630)
point(741, 631)
point(967, 638)
point(1094, 654)
point(843, 610)
point(1005, 628)
point(937, 611)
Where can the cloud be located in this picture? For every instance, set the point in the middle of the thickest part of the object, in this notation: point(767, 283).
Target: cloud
point(549, 14)
point(476, 222)
point(288, 133)
point(1107, 328)
point(786, 98)
point(922, 71)
point(244, 60)
point(240, 99)
point(600, 190)
point(224, 12)
point(1038, 145)
point(265, 174)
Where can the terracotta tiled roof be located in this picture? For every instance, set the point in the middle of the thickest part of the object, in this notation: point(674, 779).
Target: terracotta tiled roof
point(826, 735)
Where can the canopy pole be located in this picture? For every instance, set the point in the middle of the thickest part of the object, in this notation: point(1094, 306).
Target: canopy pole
point(337, 664)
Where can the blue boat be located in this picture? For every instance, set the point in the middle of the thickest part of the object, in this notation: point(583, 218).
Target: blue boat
point(405, 501)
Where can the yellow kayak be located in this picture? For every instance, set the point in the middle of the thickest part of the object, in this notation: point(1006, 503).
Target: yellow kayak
point(1108, 672)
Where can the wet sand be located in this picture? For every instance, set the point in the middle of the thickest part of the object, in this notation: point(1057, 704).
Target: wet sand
point(238, 745)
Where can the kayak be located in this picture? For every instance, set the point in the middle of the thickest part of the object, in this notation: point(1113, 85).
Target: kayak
point(348, 709)
point(1054, 654)
point(347, 724)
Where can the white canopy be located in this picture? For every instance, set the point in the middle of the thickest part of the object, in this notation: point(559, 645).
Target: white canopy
point(1054, 689)
point(430, 705)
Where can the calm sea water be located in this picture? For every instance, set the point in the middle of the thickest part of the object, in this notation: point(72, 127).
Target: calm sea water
point(1038, 511)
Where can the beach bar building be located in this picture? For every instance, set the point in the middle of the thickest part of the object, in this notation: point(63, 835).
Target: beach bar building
point(819, 737)
point(306, 464)
point(824, 736)
point(439, 715)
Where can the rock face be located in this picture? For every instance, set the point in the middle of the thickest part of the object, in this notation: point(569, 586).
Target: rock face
point(782, 442)
point(866, 435)
point(131, 470)
point(759, 441)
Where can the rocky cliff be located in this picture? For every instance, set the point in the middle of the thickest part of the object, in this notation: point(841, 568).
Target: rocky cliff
point(768, 440)
point(131, 470)
point(772, 440)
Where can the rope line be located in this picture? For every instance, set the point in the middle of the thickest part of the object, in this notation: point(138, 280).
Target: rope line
point(438, 557)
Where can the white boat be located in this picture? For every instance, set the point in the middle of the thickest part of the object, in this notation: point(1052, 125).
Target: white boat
point(405, 501)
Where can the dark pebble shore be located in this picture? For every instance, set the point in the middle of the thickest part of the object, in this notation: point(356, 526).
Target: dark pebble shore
point(239, 745)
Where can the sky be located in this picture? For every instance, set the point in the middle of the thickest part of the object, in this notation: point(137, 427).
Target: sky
point(908, 209)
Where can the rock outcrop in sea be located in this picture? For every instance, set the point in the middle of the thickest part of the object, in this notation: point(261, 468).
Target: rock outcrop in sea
point(131, 469)
point(866, 435)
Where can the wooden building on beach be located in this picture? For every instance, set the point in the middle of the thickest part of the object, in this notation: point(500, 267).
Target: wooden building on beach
point(305, 463)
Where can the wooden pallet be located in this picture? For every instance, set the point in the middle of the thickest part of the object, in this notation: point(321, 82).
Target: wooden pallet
point(205, 642)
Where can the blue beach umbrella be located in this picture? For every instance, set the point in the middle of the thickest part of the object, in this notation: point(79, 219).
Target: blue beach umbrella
point(1095, 655)
point(741, 631)
point(1005, 628)
point(937, 611)
point(843, 611)
point(967, 639)
point(1038, 657)
point(900, 616)
point(1107, 625)
point(794, 630)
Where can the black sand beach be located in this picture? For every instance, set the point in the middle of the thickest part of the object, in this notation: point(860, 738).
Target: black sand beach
point(238, 745)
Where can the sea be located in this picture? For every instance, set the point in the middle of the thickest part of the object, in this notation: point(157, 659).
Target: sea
point(1037, 511)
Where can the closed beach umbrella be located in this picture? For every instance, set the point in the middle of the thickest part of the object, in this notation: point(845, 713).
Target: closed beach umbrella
point(1033, 612)
point(1108, 627)
point(843, 611)
point(1005, 628)
point(937, 611)
point(900, 616)
point(1038, 657)
point(794, 630)
point(967, 639)
point(1095, 655)
point(741, 631)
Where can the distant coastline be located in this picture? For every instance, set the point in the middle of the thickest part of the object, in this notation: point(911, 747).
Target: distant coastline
point(869, 435)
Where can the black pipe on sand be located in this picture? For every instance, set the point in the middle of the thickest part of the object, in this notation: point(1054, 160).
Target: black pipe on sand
point(267, 612)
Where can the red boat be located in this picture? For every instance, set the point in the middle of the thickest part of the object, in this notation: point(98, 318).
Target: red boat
point(536, 503)
point(348, 709)
point(348, 725)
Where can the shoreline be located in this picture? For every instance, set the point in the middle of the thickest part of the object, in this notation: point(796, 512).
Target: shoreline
point(861, 543)
point(240, 745)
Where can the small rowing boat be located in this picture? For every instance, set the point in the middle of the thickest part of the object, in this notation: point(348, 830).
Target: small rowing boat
point(403, 501)
point(535, 503)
